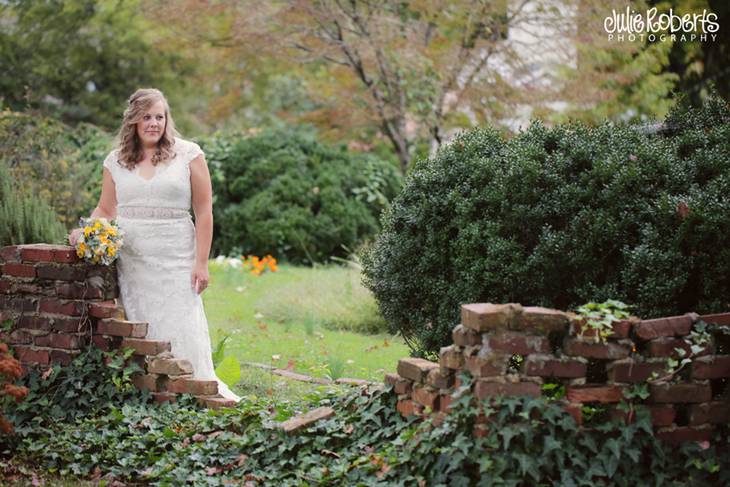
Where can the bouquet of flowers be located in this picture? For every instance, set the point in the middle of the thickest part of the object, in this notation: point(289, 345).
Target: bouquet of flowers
point(99, 241)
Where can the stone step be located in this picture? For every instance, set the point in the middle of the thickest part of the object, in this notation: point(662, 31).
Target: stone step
point(146, 347)
point(170, 366)
point(106, 309)
point(122, 328)
point(215, 402)
point(183, 385)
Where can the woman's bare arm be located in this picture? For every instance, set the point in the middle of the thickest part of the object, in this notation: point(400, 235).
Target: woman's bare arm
point(107, 206)
point(202, 202)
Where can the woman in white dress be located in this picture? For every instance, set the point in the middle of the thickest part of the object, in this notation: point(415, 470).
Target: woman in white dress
point(150, 182)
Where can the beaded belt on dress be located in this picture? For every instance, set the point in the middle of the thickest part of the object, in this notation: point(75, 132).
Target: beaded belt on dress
point(151, 212)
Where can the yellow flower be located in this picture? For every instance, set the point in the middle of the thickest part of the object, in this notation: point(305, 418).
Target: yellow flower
point(112, 232)
point(87, 231)
point(97, 226)
point(111, 251)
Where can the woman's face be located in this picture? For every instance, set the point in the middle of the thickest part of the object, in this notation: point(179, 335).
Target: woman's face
point(152, 125)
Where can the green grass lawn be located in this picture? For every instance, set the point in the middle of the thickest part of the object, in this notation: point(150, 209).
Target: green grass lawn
point(300, 318)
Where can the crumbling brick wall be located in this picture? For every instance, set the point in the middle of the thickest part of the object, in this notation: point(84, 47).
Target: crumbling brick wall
point(511, 350)
point(56, 305)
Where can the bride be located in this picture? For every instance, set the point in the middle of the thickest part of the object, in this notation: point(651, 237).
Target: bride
point(150, 182)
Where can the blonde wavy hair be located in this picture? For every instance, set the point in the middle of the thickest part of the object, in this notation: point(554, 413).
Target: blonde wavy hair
point(128, 142)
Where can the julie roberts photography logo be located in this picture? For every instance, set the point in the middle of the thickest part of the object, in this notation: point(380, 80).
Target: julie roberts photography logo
point(630, 25)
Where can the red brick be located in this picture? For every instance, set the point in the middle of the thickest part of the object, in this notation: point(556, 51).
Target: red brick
point(681, 434)
point(6, 286)
point(662, 415)
point(490, 365)
point(713, 367)
point(463, 336)
point(451, 357)
point(541, 319)
point(575, 410)
point(588, 349)
point(440, 379)
point(664, 327)
point(487, 316)
point(146, 347)
point(19, 337)
point(547, 366)
point(148, 382)
point(415, 369)
point(32, 287)
point(666, 347)
point(216, 402)
point(722, 319)
point(484, 389)
point(426, 396)
point(18, 270)
point(407, 408)
point(62, 307)
point(31, 355)
point(23, 305)
point(54, 340)
point(192, 386)
point(78, 290)
point(61, 272)
point(717, 412)
point(10, 253)
point(70, 325)
point(391, 379)
point(618, 329)
point(170, 367)
point(65, 254)
point(62, 357)
point(122, 328)
point(633, 371)
point(445, 401)
point(519, 343)
point(106, 343)
point(680, 393)
point(595, 393)
point(403, 386)
point(35, 322)
point(106, 309)
point(37, 253)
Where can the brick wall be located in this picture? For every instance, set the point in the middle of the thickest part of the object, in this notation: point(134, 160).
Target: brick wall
point(513, 350)
point(57, 305)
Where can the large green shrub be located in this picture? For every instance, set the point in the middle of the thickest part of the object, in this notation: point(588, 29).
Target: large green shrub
point(25, 217)
point(557, 217)
point(59, 163)
point(282, 192)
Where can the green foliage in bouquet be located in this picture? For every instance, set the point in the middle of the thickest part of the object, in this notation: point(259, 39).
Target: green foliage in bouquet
point(282, 192)
point(25, 217)
point(559, 217)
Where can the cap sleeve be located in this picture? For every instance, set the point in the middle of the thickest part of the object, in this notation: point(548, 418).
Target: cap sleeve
point(110, 162)
point(193, 151)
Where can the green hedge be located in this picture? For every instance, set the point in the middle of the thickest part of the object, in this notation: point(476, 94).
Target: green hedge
point(282, 192)
point(557, 217)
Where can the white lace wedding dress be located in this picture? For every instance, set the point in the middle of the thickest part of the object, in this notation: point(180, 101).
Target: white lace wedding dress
point(156, 260)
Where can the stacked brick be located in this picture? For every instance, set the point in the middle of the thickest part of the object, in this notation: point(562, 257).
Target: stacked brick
point(511, 350)
point(57, 305)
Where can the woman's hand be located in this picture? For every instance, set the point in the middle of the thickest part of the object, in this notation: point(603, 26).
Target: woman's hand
point(73, 237)
point(199, 278)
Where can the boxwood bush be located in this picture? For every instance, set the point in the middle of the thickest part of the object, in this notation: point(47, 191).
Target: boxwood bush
point(557, 217)
point(282, 192)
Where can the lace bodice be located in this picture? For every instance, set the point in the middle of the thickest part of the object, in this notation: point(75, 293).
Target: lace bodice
point(169, 187)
